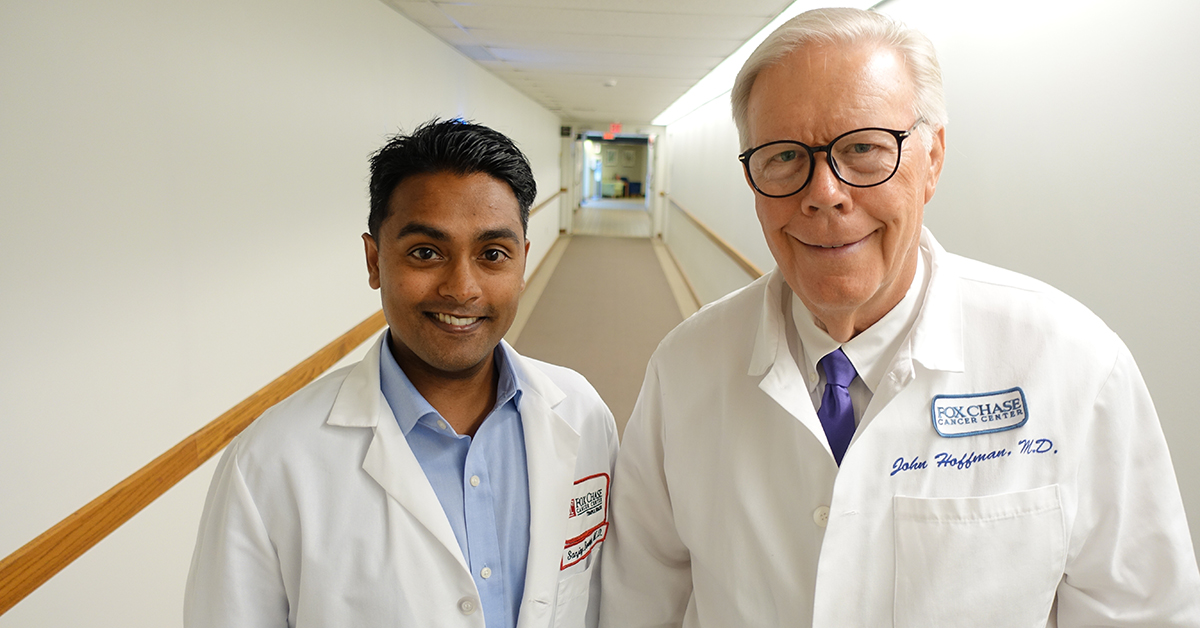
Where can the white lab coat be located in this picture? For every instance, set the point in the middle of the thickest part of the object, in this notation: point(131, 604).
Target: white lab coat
point(320, 515)
point(728, 508)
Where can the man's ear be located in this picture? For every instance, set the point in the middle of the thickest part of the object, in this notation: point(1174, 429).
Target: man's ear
point(937, 157)
point(372, 251)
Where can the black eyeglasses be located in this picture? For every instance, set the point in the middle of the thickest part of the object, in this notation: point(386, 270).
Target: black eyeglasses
point(861, 158)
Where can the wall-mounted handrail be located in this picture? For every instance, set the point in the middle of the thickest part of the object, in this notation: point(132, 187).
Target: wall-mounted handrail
point(28, 568)
point(546, 202)
point(741, 260)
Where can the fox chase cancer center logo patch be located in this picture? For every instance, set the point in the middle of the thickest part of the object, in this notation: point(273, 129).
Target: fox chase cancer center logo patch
point(587, 519)
point(983, 413)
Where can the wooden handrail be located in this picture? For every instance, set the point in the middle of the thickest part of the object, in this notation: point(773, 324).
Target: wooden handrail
point(740, 259)
point(682, 275)
point(30, 567)
point(547, 201)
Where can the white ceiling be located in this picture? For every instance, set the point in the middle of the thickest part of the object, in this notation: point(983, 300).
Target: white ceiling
point(612, 61)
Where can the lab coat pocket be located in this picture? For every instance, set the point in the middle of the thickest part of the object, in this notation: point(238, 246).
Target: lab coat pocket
point(994, 560)
point(571, 605)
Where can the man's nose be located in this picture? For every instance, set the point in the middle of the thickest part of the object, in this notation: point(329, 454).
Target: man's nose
point(825, 190)
point(460, 282)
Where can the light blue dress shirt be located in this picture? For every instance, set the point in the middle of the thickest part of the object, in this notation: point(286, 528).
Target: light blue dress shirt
point(481, 482)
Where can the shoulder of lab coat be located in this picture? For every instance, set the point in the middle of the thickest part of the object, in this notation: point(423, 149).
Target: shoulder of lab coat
point(969, 303)
point(236, 573)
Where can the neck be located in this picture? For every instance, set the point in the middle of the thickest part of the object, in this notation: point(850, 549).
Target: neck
point(841, 330)
point(463, 399)
point(844, 324)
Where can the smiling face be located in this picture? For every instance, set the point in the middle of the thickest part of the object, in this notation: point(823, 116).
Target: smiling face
point(848, 253)
point(450, 266)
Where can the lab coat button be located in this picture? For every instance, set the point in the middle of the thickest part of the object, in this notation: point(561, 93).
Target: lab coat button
point(485, 573)
point(821, 516)
point(474, 480)
point(466, 606)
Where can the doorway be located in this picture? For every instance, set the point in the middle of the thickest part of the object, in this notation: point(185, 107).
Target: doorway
point(613, 191)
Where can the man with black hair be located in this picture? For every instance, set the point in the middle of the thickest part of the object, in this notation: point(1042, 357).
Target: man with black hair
point(445, 480)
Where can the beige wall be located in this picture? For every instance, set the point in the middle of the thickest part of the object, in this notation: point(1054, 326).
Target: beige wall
point(182, 189)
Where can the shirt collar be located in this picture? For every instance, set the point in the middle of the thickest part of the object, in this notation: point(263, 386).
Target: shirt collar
point(871, 351)
point(409, 406)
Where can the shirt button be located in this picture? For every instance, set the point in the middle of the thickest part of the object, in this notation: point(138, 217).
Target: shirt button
point(485, 573)
point(821, 516)
point(466, 606)
point(474, 480)
point(442, 424)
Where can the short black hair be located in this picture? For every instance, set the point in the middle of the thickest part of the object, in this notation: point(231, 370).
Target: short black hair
point(457, 146)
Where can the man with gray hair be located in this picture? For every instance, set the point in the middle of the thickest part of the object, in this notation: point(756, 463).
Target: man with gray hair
point(878, 432)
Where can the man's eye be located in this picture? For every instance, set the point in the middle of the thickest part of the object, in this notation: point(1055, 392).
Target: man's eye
point(495, 255)
point(423, 253)
point(861, 148)
point(787, 155)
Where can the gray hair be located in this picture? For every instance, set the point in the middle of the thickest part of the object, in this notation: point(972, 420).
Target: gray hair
point(847, 26)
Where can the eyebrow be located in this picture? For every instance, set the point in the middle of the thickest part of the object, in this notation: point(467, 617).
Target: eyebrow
point(434, 233)
point(498, 234)
point(422, 229)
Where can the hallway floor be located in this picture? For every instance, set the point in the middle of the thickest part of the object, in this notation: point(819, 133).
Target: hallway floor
point(614, 218)
point(601, 302)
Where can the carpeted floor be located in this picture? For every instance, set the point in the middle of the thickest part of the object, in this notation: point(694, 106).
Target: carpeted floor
point(604, 310)
point(612, 218)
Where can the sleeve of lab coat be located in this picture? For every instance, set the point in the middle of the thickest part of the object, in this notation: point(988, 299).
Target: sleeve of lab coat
point(235, 579)
point(1130, 559)
point(647, 568)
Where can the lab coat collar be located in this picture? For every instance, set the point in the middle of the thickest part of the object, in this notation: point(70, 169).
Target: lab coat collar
point(770, 323)
point(771, 357)
point(531, 377)
point(359, 398)
point(551, 447)
point(936, 339)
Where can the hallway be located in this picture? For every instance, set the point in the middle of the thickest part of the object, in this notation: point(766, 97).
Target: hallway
point(602, 301)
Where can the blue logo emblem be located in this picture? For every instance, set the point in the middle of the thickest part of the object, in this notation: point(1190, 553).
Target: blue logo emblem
point(955, 416)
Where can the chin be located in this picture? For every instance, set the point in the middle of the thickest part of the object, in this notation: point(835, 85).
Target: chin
point(828, 296)
point(460, 362)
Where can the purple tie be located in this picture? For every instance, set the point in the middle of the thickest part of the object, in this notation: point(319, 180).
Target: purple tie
point(837, 413)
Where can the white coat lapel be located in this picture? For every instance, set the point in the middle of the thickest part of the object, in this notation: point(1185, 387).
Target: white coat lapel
point(937, 334)
point(782, 381)
point(389, 460)
point(785, 385)
point(551, 448)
